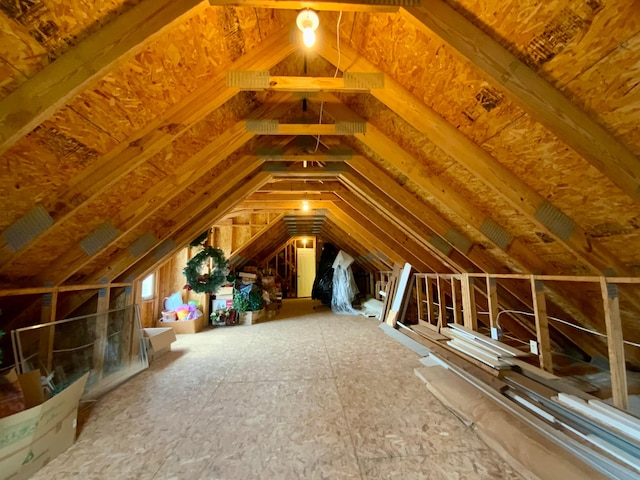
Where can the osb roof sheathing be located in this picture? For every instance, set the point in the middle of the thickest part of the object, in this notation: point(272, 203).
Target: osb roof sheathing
point(589, 49)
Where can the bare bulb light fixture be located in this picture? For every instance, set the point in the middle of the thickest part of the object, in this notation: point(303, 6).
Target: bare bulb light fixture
point(308, 22)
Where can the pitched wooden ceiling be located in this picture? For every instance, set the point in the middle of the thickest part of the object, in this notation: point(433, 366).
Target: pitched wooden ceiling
point(455, 135)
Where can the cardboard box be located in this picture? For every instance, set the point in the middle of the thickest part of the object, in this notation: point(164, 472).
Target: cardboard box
point(32, 438)
point(183, 326)
point(251, 317)
point(222, 291)
point(218, 304)
point(158, 341)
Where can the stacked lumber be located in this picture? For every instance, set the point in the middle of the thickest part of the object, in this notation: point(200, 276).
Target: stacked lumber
point(480, 347)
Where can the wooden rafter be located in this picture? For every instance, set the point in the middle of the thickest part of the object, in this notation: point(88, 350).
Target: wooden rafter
point(543, 101)
point(96, 180)
point(486, 168)
point(199, 220)
point(173, 186)
point(45, 92)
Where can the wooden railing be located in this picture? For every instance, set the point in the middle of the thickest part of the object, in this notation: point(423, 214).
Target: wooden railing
point(462, 288)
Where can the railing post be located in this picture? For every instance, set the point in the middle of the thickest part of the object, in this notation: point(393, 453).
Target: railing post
point(611, 303)
point(469, 303)
point(542, 324)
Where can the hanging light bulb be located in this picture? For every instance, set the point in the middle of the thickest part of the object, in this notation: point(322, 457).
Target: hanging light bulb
point(308, 22)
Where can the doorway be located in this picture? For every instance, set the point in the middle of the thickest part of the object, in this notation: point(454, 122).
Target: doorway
point(306, 266)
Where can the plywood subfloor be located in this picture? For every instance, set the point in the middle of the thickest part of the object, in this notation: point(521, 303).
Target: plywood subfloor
point(310, 395)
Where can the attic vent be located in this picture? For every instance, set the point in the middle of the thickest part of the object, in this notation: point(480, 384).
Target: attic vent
point(304, 95)
point(248, 79)
point(340, 153)
point(538, 285)
point(458, 240)
point(102, 293)
point(336, 167)
point(164, 249)
point(99, 238)
point(274, 152)
point(275, 167)
point(363, 80)
point(129, 289)
point(612, 290)
point(25, 229)
point(143, 244)
point(440, 244)
point(496, 233)
point(556, 221)
point(383, 257)
point(262, 127)
point(350, 127)
point(47, 298)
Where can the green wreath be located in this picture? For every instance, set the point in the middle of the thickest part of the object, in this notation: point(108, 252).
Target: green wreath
point(207, 282)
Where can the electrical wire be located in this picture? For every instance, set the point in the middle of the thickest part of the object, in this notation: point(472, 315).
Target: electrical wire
point(559, 320)
point(334, 76)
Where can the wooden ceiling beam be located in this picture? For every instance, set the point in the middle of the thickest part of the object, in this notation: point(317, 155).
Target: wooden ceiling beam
point(305, 186)
point(271, 230)
point(491, 172)
point(292, 171)
point(360, 235)
point(398, 213)
point(287, 205)
point(49, 89)
point(280, 83)
point(190, 221)
point(172, 186)
point(294, 196)
point(370, 6)
point(277, 128)
point(366, 176)
point(543, 101)
point(332, 233)
point(96, 180)
point(380, 228)
point(522, 256)
point(421, 231)
point(384, 214)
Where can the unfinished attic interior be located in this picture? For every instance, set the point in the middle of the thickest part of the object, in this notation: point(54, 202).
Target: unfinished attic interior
point(477, 160)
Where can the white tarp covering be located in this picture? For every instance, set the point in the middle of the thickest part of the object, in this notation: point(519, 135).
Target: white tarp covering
point(344, 285)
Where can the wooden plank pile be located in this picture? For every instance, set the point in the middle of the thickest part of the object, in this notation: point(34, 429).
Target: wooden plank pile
point(484, 349)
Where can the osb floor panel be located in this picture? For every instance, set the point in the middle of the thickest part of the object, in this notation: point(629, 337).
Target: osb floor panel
point(309, 395)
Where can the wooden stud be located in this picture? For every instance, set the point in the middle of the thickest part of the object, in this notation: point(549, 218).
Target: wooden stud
point(542, 325)
point(442, 304)
point(101, 329)
point(48, 316)
point(456, 300)
point(469, 303)
point(420, 299)
point(615, 342)
point(431, 312)
point(492, 298)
